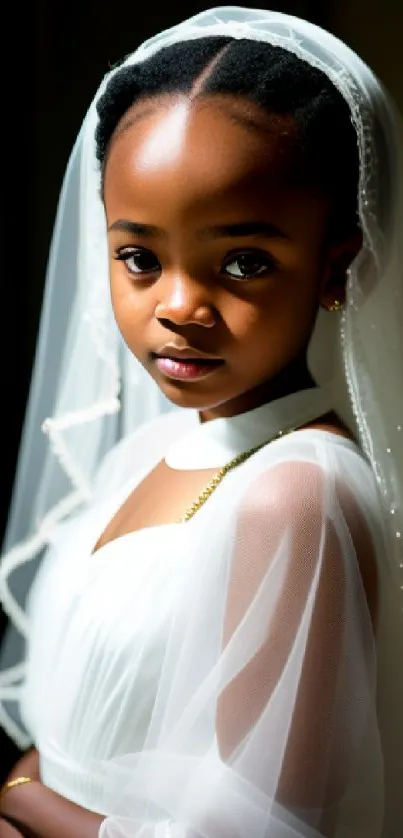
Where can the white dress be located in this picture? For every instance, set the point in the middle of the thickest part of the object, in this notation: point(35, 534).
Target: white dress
point(217, 674)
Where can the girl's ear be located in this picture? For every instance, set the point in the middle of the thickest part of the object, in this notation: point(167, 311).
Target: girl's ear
point(338, 259)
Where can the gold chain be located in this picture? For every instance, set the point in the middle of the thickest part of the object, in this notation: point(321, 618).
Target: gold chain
point(220, 474)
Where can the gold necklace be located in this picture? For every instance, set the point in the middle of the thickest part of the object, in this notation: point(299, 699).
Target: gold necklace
point(220, 474)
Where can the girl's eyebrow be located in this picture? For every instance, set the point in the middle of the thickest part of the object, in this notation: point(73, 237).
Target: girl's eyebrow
point(135, 228)
point(242, 228)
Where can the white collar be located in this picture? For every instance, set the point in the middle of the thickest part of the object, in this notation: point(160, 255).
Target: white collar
point(213, 444)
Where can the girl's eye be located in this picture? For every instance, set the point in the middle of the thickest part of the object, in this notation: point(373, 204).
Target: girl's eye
point(249, 264)
point(138, 260)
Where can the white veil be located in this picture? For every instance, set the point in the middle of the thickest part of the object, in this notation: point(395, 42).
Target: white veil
point(92, 393)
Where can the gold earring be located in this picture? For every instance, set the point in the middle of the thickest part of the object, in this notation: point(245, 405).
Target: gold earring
point(336, 306)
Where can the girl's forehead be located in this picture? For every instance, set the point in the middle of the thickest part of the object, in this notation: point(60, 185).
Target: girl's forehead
point(194, 165)
point(210, 143)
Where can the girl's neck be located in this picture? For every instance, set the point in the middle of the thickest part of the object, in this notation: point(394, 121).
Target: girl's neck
point(292, 379)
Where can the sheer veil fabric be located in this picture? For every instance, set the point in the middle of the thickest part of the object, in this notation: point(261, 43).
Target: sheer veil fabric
point(92, 394)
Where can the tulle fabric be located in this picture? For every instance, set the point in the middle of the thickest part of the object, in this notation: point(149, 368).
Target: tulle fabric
point(218, 674)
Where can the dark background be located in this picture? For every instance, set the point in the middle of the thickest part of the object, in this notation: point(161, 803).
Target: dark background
point(55, 55)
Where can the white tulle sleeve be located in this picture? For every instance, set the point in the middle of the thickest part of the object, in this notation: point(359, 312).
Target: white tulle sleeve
point(265, 723)
point(145, 446)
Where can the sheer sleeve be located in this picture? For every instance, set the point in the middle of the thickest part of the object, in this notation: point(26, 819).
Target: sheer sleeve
point(137, 451)
point(277, 729)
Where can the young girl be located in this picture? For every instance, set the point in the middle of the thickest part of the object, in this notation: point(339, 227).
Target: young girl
point(201, 656)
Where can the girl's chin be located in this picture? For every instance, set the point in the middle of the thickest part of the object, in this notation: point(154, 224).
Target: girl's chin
point(195, 395)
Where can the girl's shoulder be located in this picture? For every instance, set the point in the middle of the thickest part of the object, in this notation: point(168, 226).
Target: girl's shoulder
point(332, 424)
point(318, 463)
point(328, 434)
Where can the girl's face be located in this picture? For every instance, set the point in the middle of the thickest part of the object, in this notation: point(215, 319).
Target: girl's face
point(215, 259)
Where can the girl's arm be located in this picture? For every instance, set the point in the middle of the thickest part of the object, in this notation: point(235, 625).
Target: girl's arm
point(37, 812)
point(26, 766)
point(8, 831)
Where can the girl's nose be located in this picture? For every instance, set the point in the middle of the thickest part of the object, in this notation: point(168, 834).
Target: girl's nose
point(185, 301)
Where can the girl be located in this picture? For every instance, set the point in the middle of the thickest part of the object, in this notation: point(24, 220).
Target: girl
point(201, 656)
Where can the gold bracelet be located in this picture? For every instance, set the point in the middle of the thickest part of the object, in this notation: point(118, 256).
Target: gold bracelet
point(18, 781)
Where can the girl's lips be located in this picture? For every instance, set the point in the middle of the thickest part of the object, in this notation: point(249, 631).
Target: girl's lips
point(188, 368)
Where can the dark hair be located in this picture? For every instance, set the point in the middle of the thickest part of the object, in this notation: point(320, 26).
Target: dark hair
point(271, 77)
